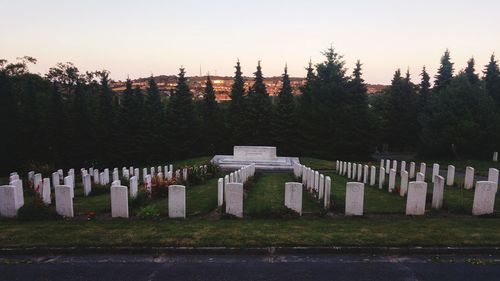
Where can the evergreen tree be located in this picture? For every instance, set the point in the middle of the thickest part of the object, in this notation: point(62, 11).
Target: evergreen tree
point(492, 79)
point(183, 126)
point(445, 72)
point(9, 117)
point(154, 116)
point(105, 121)
point(237, 106)
point(286, 120)
point(470, 72)
point(401, 131)
point(259, 111)
point(425, 86)
point(211, 119)
point(461, 121)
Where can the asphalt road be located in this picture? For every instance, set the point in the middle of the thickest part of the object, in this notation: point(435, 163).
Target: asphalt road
point(336, 267)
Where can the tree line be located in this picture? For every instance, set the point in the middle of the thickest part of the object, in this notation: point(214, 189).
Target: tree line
point(67, 118)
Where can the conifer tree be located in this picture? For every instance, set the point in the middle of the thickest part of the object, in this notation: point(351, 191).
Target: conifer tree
point(154, 116)
point(470, 72)
point(105, 120)
point(183, 127)
point(425, 86)
point(285, 122)
point(492, 79)
point(445, 72)
point(259, 111)
point(211, 119)
point(236, 113)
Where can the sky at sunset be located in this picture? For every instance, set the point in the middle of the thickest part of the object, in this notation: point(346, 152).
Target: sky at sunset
point(140, 38)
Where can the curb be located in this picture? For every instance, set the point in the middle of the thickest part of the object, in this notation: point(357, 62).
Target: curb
point(251, 251)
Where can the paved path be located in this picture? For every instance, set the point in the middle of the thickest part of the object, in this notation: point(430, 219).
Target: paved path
point(338, 267)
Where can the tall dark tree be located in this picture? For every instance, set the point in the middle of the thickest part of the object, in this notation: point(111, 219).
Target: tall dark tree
point(105, 120)
point(235, 117)
point(183, 126)
point(470, 71)
point(259, 111)
point(445, 72)
point(492, 79)
point(154, 116)
point(425, 86)
point(211, 119)
point(286, 121)
point(460, 121)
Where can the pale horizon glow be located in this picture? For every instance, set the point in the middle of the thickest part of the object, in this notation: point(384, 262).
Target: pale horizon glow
point(140, 38)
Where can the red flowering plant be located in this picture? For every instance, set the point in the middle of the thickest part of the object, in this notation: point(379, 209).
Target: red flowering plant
point(91, 215)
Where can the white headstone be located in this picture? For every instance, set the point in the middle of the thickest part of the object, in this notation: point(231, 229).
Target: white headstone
point(115, 183)
point(87, 186)
point(220, 192)
point(19, 192)
point(55, 179)
point(435, 171)
point(134, 185)
point(373, 175)
point(64, 200)
point(381, 178)
point(8, 201)
point(354, 171)
point(360, 172)
point(365, 174)
point(31, 179)
point(321, 190)
point(392, 180)
point(469, 177)
point(495, 156)
point(420, 177)
point(68, 181)
point(119, 201)
point(403, 166)
point(412, 170)
point(493, 175)
point(293, 196)
point(349, 170)
point(144, 173)
point(394, 165)
point(234, 199)
point(46, 191)
point(328, 191)
point(37, 183)
point(316, 181)
point(354, 199)
point(116, 176)
point(102, 178)
point(136, 173)
point(106, 176)
point(484, 198)
point(96, 176)
point(404, 183)
point(387, 166)
point(450, 176)
point(415, 202)
point(438, 192)
point(423, 168)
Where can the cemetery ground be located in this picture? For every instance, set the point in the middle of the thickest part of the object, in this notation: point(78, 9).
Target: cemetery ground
point(266, 223)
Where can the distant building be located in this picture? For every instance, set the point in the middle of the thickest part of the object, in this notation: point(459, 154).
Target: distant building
point(222, 85)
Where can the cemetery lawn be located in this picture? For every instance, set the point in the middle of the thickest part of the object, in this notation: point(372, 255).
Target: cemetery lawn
point(305, 231)
point(267, 197)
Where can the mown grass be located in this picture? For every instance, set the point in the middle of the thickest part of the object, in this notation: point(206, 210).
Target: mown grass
point(254, 233)
point(267, 197)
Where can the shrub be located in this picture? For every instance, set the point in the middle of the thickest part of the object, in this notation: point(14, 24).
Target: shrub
point(36, 211)
point(150, 211)
point(141, 200)
point(99, 189)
